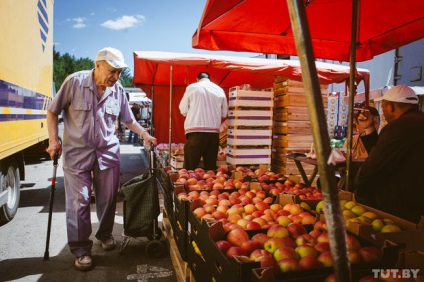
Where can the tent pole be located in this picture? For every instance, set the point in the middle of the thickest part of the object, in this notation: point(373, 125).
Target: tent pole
point(170, 113)
point(352, 93)
point(333, 214)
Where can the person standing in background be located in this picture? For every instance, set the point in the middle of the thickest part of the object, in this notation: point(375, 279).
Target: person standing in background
point(205, 106)
point(132, 136)
point(92, 101)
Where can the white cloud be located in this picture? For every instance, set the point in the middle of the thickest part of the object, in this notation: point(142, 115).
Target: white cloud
point(124, 22)
point(79, 22)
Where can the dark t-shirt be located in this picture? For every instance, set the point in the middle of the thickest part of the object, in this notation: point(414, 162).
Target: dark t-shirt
point(392, 177)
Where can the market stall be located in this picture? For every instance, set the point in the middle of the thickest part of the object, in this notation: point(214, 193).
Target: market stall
point(163, 76)
point(359, 31)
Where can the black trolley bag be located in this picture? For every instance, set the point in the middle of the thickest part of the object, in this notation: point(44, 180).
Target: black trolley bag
point(141, 210)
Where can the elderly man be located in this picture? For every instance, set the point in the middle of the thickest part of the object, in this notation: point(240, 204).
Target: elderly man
point(91, 101)
point(392, 177)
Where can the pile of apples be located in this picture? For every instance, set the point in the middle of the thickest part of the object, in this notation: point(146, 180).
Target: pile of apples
point(290, 186)
point(353, 212)
point(246, 209)
point(292, 248)
point(199, 179)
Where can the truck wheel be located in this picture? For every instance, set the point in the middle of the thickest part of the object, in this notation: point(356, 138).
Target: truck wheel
point(10, 183)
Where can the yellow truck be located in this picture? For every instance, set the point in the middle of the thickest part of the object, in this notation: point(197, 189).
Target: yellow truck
point(26, 88)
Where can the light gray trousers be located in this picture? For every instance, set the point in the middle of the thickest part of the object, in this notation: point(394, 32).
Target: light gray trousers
point(78, 196)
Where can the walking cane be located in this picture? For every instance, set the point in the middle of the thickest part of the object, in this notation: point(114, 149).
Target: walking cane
point(46, 252)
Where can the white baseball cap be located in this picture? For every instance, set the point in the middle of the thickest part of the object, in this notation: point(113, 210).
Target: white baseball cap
point(400, 94)
point(113, 56)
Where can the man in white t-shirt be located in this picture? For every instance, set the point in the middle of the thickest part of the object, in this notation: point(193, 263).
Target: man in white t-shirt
point(204, 105)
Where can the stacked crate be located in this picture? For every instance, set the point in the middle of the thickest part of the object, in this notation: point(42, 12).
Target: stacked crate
point(249, 133)
point(292, 126)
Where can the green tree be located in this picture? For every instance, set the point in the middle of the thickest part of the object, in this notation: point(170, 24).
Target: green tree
point(64, 65)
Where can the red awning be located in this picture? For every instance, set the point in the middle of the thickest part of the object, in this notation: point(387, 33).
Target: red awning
point(264, 27)
point(152, 73)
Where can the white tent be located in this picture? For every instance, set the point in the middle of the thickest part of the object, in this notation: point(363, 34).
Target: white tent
point(139, 98)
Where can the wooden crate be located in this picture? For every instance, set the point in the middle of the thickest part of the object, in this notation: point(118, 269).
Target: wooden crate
point(292, 127)
point(292, 140)
point(250, 98)
point(241, 151)
point(249, 136)
point(249, 121)
point(248, 160)
point(295, 100)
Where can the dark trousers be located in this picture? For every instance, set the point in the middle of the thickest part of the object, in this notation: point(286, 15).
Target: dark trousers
point(201, 144)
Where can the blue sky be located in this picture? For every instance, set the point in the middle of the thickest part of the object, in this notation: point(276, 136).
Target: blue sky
point(81, 28)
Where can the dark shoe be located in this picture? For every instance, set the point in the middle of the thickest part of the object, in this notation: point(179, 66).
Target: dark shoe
point(108, 244)
point(84, 263)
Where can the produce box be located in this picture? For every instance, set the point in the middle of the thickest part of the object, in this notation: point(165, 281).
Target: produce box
point(412, 260)
point(221, 268)
point(292, 127)
point(238, 136)
point(196, 262)
point(177, 162)
point(295, 99)
point(253, 151)
point(248, 160)
point(249, 120)
point(293, 140)
point(410, 238)
point(250, 98)
point(179, 220)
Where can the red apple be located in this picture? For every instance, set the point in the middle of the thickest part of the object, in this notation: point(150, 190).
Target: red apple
point(320, 225)
point(323, 238)
point(283, 220)
point(352, 243)
point(285, 252)
point(306, 239)
point(354, 257)
point(261, 206)
point(219, 215)
point(272, 244)
point(296, 229)
point(322, 247)
point(223, 245)
point(260, 237)
point(253, 225)
point(277, 231)
point(250, 245)
point(306, 250)
point(235, 251)
point(370, 254)
point(288, 265)
point(326, 259)
point(267, 260)
point(262, 222)
point(237, 237)
point(199, 212)
point(315, 233)
point(309, 262)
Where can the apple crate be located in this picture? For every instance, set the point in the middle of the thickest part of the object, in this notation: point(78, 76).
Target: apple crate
point(295, 99)
point(179, 220)
point(238, 136)
point(197, 263)
point(250, 98)
point(221, 268)
point(249, 151)
point(248, 160)
point(410, 236)
point(292, 127)
point(249, 118)
point(177, 162)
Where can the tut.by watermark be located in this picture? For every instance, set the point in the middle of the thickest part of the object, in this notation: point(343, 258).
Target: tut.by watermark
point(395, 273)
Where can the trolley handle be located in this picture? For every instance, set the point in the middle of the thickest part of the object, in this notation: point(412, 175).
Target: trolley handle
point(152, 157)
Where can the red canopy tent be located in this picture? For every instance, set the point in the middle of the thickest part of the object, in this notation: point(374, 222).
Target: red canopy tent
point(160, 74)
point(265, 27)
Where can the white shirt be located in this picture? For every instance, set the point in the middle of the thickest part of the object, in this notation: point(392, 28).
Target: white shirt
point(204, 105)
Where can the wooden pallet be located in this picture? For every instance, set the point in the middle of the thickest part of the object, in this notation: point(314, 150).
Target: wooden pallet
point(181, 268)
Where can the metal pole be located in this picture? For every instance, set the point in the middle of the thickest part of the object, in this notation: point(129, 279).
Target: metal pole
point(170, 112)
point(352, 92)
point(333, 214)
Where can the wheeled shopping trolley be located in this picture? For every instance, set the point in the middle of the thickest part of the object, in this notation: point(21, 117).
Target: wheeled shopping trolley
point(141, 210)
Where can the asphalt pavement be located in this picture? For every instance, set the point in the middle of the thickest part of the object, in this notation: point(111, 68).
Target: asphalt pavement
point(23, 240)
